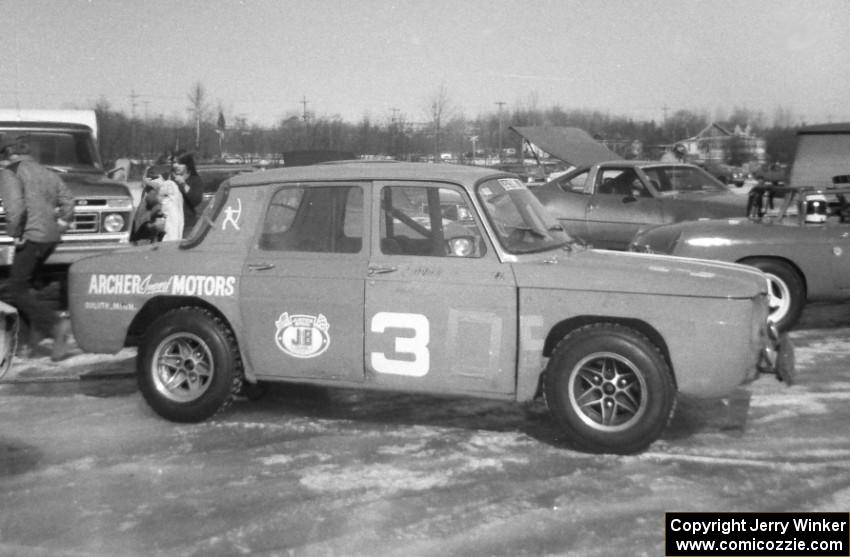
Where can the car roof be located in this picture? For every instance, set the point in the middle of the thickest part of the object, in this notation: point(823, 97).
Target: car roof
point(631, 163)
point(635, 163)
point(841, 127)
point(842, 188)
point(456, 173)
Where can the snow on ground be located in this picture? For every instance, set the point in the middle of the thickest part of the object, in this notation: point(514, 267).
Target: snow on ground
point(309, 471)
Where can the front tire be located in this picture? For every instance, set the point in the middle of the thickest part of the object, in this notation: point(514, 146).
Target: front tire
point(188, 365)
point(610, 389)
point(787, 295)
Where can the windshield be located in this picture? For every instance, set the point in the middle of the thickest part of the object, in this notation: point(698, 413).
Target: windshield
point(62, 150)
point(521, 223)
point(672, 180)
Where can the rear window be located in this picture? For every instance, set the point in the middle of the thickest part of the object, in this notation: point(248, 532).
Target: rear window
point(314, 219)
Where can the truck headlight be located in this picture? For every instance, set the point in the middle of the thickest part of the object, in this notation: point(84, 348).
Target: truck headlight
point(113, 222)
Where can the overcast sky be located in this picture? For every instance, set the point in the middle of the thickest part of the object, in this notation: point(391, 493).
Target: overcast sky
point(261, 59)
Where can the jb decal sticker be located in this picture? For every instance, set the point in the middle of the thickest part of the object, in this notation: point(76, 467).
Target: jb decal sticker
point(302, 336)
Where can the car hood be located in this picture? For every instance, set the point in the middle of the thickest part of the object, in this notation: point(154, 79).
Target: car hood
point(639, 273)
point(93, 185)
point(572, 145)
point(712, 233)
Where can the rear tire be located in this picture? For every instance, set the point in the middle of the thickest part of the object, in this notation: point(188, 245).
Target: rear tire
point(610, 389)
point(188, 365)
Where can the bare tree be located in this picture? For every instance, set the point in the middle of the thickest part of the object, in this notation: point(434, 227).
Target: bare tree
point(197, 101)
point(440, 107)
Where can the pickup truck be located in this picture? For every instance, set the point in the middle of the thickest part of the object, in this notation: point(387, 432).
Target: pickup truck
point(775, 173)
point(66, 142)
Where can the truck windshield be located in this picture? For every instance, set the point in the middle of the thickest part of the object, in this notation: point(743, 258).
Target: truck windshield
point(521, 223)
point(61, 150)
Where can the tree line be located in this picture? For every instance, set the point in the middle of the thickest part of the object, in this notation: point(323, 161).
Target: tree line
point(208, 133)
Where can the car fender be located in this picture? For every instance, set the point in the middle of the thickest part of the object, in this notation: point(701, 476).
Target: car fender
point(699, 369)
point(113, 297)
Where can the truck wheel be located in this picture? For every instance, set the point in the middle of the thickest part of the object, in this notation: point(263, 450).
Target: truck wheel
point(188, 365)
point(610, 389)
point(786, 296)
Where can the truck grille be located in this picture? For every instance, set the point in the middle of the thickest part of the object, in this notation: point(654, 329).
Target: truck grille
point(86, 221)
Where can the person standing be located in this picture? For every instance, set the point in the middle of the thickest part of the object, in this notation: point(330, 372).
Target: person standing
point(39, 208)
point(191, 185)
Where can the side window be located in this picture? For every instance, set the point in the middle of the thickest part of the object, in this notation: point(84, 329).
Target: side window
point(576, 183)
point(428, 221)
point(315, 219)
point(621, 182)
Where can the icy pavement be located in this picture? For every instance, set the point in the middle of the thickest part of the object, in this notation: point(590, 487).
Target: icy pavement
point(319, 472)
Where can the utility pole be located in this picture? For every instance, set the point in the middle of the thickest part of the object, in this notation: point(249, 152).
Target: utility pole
point(501, 104)
point(304, 110)
point(133, 97)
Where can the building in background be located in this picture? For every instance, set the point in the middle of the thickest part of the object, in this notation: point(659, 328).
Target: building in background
point(715, 144)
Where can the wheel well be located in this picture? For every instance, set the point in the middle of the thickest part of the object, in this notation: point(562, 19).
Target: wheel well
point(158, 306)
point(790, 264)
point(564, 328)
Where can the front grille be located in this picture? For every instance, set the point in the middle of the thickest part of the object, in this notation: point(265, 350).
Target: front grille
point(85, 221)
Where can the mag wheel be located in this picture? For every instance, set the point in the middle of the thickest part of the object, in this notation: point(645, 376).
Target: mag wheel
point(188, 365)
point(786, 296)
point(610, 389)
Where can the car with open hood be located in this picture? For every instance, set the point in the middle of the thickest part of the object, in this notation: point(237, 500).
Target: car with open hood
point(424, 278)
point(604, 199)
point(799, 237)
point(605, 203)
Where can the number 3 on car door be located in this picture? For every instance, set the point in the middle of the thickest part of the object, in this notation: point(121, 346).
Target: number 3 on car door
point(411, 356)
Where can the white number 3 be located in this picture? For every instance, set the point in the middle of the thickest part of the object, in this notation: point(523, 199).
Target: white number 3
point(418, 361)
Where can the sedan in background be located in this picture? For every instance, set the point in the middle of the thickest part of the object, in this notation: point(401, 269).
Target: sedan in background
point(799, 237)
point(605, 204)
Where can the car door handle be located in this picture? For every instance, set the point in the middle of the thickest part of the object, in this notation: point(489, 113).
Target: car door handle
point(260, 266)
point(381, 269)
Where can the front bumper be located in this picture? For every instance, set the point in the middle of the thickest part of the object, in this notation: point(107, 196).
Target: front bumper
point(777, 357)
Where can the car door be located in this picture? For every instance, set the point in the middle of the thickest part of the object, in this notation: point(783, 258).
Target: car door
point(567, 197)
point(836, 233)
point(619, 205)
point(440, 307)
point(302, 287)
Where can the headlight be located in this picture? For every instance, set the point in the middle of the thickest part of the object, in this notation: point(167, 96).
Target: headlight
point(113, 222)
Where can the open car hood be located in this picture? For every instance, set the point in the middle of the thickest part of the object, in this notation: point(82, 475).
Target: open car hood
point(574, 146)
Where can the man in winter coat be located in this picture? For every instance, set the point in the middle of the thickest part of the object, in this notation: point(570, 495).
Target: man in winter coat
point(39, 208)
